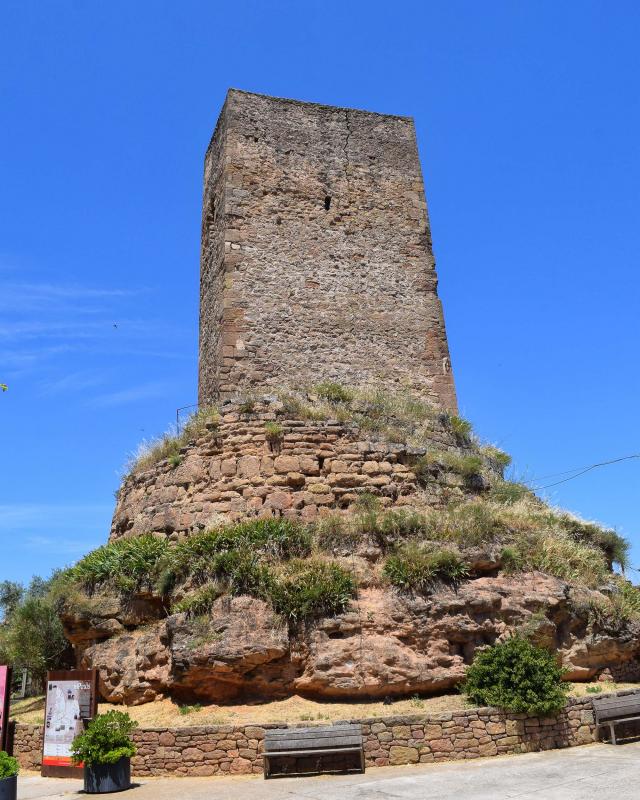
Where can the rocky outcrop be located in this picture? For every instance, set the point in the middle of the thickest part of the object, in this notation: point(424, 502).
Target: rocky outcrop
point(385, 644)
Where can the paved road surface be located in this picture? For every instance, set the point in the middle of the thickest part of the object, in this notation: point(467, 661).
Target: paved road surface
point(594, 772)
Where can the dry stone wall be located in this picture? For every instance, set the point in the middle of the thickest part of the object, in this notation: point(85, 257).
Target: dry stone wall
point(315, 468)
point(316, 252)
point(227, 749)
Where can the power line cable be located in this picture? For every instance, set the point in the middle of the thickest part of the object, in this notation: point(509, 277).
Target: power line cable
point(582, 471)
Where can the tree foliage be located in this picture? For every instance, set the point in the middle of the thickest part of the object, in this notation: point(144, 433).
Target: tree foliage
point(32, 636)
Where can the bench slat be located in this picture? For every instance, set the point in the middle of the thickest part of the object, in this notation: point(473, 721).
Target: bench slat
point(314, 744)
point(317, 730)
point(305, 736)
point(324, 751)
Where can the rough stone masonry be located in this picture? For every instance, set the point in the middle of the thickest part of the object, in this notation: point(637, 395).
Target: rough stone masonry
point(316, 256)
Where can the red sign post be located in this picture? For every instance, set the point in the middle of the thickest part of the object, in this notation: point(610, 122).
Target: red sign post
point(72, 698)
point(5, 694)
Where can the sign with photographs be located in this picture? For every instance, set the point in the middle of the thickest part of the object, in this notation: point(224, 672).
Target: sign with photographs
point(5, 694)
point(71, 699)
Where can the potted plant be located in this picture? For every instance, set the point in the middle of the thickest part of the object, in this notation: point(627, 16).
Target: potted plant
point(105, 749)
point(8, 777)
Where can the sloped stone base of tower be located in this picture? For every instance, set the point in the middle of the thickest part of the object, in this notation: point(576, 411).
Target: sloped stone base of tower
point(266, 458)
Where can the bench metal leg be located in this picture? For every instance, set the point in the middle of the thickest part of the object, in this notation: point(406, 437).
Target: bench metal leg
point(613, 733)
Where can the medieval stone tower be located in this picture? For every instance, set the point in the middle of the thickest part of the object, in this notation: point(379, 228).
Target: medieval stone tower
point(316, 256)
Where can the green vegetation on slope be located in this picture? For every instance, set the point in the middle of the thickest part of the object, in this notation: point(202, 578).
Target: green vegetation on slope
point(517, 676)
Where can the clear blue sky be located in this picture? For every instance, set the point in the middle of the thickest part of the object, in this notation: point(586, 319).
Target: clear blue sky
point(528, 119)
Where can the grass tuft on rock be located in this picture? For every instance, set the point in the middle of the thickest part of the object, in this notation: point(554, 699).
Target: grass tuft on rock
point(311, 589)
point(415, 570)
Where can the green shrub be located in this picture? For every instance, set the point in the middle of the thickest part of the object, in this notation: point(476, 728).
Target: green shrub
point(175, 460)
point(8, 765)
point(333, 392)
point(126, 564)
point(415, 570)
point(594, 689)
point(310, 589)
point(241, 572)
point(517, 676)
point(106, 740)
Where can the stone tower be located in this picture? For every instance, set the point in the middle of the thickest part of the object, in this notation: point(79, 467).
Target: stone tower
point(316, 253)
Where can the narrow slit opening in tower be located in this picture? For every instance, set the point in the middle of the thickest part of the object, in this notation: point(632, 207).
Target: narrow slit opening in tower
point(327, 203)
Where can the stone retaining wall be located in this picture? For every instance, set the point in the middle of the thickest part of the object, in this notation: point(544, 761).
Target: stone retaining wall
point(314, 468)
point(228, 749)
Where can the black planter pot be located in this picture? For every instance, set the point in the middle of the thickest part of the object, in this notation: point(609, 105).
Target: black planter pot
point(9, 788)
point(103, 778)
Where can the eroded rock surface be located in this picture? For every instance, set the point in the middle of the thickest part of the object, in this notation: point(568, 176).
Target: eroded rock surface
point(385, 644)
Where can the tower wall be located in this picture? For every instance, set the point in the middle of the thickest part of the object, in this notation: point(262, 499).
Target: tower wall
point(316, 253)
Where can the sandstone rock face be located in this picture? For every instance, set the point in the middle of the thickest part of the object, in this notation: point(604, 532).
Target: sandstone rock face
point(386, 643)
point(316, 468)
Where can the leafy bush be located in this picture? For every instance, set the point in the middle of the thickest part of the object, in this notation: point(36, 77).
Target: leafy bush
point(106, 740)
point(311, 588)
point(8, 765)
point(517, 676)
point(126, 564)
point(415, 570)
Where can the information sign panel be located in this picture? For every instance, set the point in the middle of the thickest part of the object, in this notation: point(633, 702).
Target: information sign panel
point(71, 700)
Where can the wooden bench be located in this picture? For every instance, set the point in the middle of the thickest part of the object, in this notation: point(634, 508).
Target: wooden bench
point(311, 745)
point(612, 710)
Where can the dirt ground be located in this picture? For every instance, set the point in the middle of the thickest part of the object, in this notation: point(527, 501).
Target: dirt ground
point(166, 713)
